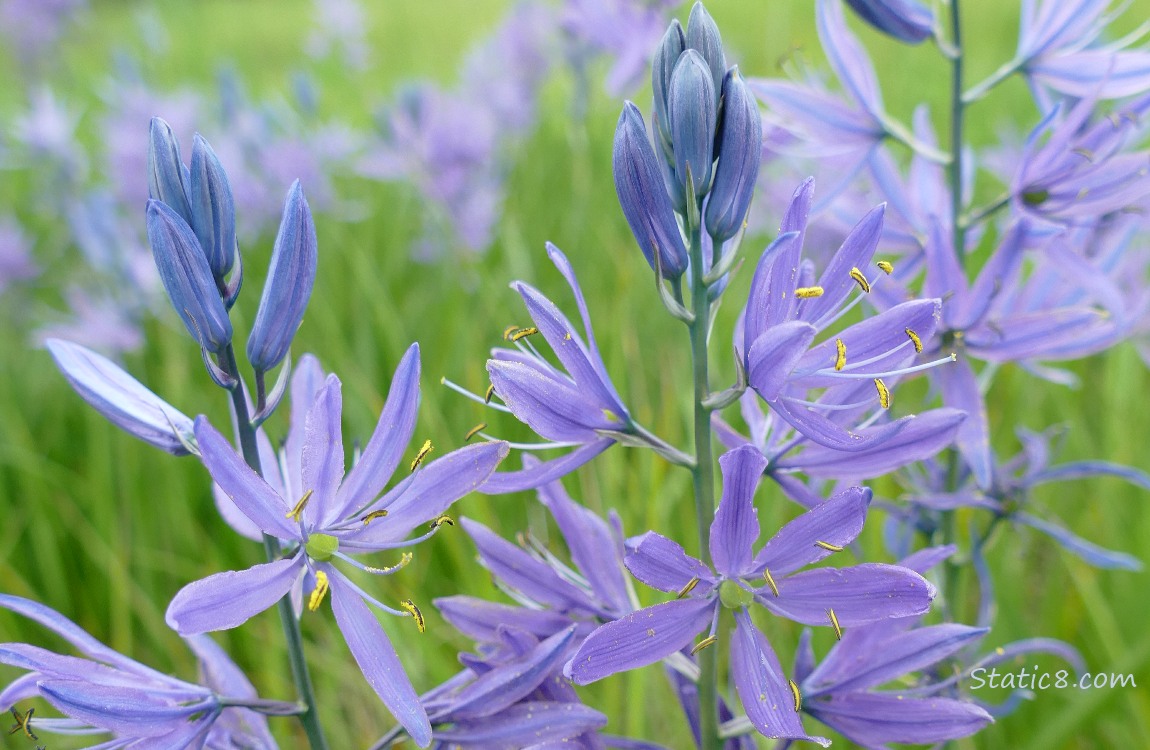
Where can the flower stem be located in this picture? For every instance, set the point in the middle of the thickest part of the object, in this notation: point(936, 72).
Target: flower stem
point(703, 476)
point(957, 114)
point(300, 675)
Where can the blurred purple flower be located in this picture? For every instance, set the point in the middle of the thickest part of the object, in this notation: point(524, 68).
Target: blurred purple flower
point(16, 263)
point(624, 30)
point(906, 20)
point(340, 29)
point(32, 26)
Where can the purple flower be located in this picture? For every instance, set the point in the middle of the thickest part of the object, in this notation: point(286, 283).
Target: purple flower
point(108, 692)
point(335, 515)
point(788, 308)
point(16, 262)
point(834, 597)
point(33, 26)
point(624, 30)
point(906, 20)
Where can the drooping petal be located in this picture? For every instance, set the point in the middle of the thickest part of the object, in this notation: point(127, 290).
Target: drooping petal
point(858, 595)
point(503, 482)
point(761, 685)
point(383, 452)
point(524, 725)
point(847, 57)
point(873, 719)
point(554, 409)
point(122, 399)
point(432, 490)
point(132, 711)
point(640, 638)
point(906, 20)
point(377, 659)
point(1099, 557)
point(836, 522)
point(960, 391)
point(248, 490)
point(736, 525)
point(663, 564)
point(227, 600)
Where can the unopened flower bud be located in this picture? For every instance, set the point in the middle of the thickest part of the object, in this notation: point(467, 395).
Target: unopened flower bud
point(692, 109)
point(187, 278)
point(703, 37)
point(213, 211)
point(642, 195)
point(739, 148)
point(288, 287)
point(673, 44)
point(166, 174)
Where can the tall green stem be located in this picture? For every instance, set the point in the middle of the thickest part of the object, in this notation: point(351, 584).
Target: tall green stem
point(703, 475)
point(302, 678)
point(957, 115)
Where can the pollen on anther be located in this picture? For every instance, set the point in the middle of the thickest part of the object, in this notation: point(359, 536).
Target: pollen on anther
point(835, 624)
point(474, 431)
point(373, 515)
point(319, 592)
point(490, 392)
point(688, 588)
point(915, 340)
point(524, 333)
point(442, 520)
point(857, 275)
point(413, 610)
point(840, 355)
point(828, 546)
point(509, 331)
point(708, 641)
point(797, 695)
point(883, 393)
point(771, 582)
point(297, 510)
point(885, 266)
point(806, 292)
point(415, 462)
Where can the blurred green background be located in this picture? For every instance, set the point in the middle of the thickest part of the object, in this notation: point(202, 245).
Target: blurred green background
point(106, 529)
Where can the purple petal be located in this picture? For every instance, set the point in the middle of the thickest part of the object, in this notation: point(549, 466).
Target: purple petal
point(377, 659)
point(480, 620)
point(524, 725)
point(251, 494)
point(663, 564)
point(837, 522)
point(1099, 557)
point(431, 491)
point(125, 710)
point(960, 391)
point(640, 638)
point(306, 381)
point(322, 457)
point(552, 407)
point(773, 355)
point(858, 595)
point(823, 431)
point(847, 57)
point(393, 431)
point(761, 685)
point(771, 297)
point(548, 471)
point(227, 600)
point(856, 251)
point(736, 525)
point(872, 719)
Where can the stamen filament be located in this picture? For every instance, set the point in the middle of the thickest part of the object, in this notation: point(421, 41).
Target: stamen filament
point(404, 560)
point(478, 399)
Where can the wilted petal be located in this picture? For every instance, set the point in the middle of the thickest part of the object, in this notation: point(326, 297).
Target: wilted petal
point(640, 638)
point(858, 595)
point(761, 685)
point(288, 286)
point(377, 659)
point(229, 599)
point(122, 399)
point(837, 522)
point(663, 564)
point(736, 525)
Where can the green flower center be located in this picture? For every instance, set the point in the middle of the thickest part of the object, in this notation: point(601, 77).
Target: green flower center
point(734, 596)
point(321, 547)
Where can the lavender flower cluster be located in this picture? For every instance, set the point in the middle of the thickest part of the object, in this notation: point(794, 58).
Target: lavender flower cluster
point(822, 346)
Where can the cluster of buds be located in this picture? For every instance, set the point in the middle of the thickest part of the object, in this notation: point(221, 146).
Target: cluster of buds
point(705, 159)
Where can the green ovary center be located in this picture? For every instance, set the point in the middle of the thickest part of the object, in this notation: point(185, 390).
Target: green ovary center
point(321, 547)
point(734, 596)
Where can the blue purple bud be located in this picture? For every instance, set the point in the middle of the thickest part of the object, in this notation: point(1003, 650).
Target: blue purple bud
point(906, 20)
point(288, 286)
point(703, 36)
point(166, 175)
point(187, 278)
point(212, 209)
point(739, 147)
point(642, 196)
point(691, 113)
point(673, 44)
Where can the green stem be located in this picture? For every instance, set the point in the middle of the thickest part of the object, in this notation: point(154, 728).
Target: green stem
point(703, 476)
point(302, 678)
point(957, 113)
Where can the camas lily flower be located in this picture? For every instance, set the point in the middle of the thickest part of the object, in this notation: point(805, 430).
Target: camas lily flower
point(906, 20)
point(832, 597)
point(579, 408)
point(109, 693)
point(787, 309)
point(335, 516)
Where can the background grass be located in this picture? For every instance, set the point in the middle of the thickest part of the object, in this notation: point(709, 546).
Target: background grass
point(106, 529)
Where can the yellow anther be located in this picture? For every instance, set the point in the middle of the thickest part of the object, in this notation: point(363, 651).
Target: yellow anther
point(840, 355)
point(883, 393)
point(490, 392)
point(835, 624)
point(771, 582)
point(319, 592)
point(404, 559)
point(509, 331)
point(885, 266)
point(23, 722)
point(415, 613)
point(524, 333)
point(373, 515)
point(798, 696)
point(857, 275)
point(915, 340)
point(691, 584)
point(415, 462)
point(708, 641)
point(806, 292)
point(828, 546)
point(295, 513)
point(474, 431)
point(444, 519)
point(567, 336)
